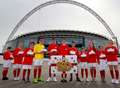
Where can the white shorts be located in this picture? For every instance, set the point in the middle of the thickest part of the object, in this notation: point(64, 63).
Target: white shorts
point(113, 63)
point(27, 66)
point(92, 65)
point(15, 66)
point(83, 65)
point(7, 63)
point(38, 62)
point(103, 65)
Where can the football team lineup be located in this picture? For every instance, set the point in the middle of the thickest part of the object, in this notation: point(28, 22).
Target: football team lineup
point(65, 56)
point(63, 60)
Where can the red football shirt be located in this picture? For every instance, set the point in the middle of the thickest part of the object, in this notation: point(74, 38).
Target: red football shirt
point(53, 49)
point(63, 49)
point(83, 57)
point(111, 53)
point(28, 56)
point(73, 51)
point(7, 55)
point(18, 56)
point(92, 55)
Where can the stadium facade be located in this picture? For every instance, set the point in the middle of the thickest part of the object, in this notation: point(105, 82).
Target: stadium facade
point(81, 38)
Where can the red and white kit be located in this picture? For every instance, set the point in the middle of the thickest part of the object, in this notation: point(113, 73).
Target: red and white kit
point(102, 60)
point(83, 59)
point(28, 58)
point(63, 50)
point(18, 57)
point(92, 57)
point(112, 53)
point(7, 56)
point(53, 50)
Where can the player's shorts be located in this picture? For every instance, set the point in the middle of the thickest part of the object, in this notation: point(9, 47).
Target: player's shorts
point(112, 62)
point(27, 66)
point(103, 65)
point(83, 65)
point(7, 63)
point(38, 62)
point(92, 65)
point(16, 66)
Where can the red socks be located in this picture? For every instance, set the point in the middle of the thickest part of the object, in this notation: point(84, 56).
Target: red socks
point(93, 73)
point(24, 73)
point(14, 73)
point(50, 71)
point(5, 72)
point(39, 72)
point(64, 75)
point(18, 73)
point(112, 74)
point(28, 73)
point(86, 71)
point(102, 74)
point(117, 74)
point(35, 72)
point(82, 73)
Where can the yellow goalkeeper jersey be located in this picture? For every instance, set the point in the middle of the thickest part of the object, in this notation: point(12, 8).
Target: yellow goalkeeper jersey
point(38, 48)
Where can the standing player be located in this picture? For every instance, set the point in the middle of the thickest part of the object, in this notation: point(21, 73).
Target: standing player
point(18, 57)
point(52, 50)
point(39, 50)
point(28, 60)
point(83, 59)
point(73, 51)
point(63, 50)
point(92, 59)
point(7, 56)
point(112, 53)
point(102, 63)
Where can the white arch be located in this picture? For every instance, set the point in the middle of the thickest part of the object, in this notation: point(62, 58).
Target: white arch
point(55, 2)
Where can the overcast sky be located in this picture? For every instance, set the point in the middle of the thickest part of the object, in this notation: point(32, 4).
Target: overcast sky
point(63, 16)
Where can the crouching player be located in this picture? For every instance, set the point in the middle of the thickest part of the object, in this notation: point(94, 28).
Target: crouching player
point(27, 61)
point(17, 64)
point(52, 50)
point(102, 63)
point(7, 56)
point(92, 60)
point(112, 53)
point(73, 51)
point(39, 50)
point(83, 59)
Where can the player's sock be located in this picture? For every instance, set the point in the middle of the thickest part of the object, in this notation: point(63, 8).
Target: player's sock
point(49, 71)
point(28, 74)
point(82, 73)
point(18, 73)
point(15, 73)
point(24, 73)
point(94, 73)
point(5, 71)
point(112, 74)
point(39, 72)
point(86, 72)
point(91, 72)
point(117, 74)
point(35, 73)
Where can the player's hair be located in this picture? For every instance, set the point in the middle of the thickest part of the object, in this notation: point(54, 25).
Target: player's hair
point(40, 37)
